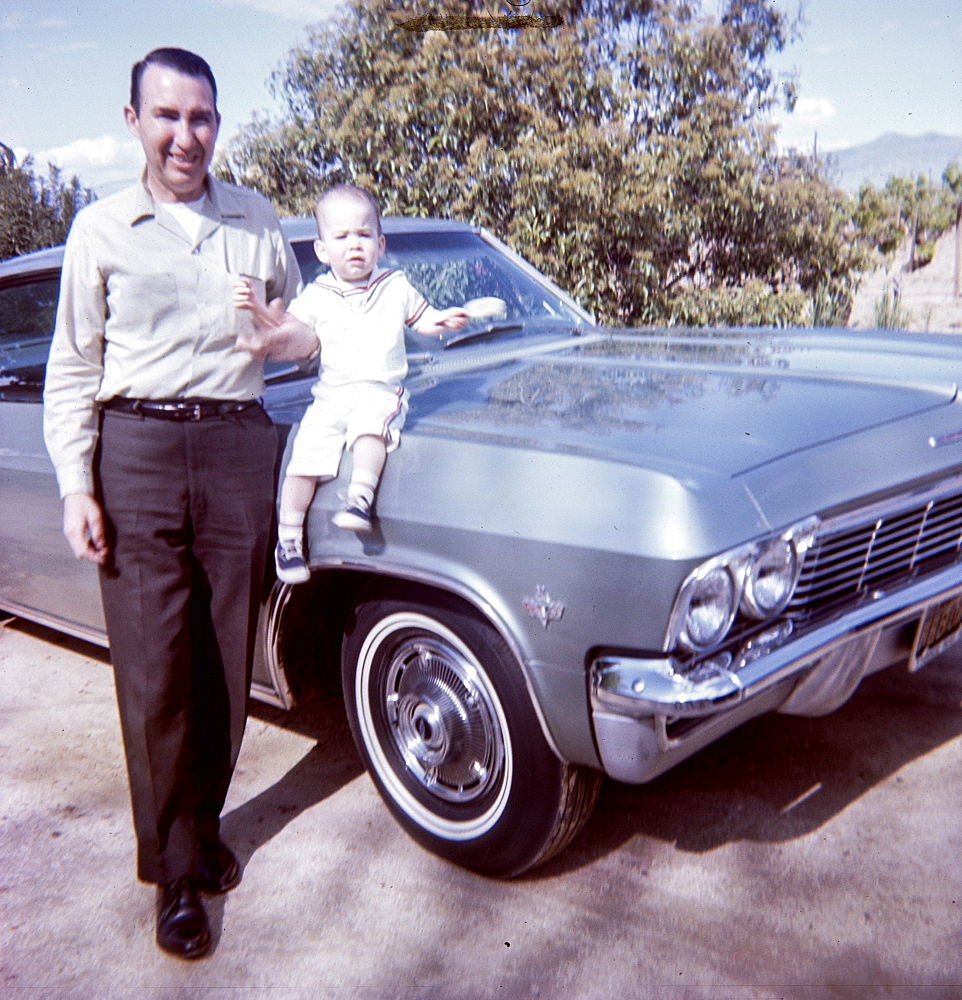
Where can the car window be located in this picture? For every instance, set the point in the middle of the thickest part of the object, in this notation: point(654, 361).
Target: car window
point(27, 313)
point(450, 269)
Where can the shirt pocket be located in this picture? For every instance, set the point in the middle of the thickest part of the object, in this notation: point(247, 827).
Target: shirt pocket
point(140, 303)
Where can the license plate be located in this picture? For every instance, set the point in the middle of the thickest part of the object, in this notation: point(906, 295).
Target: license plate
point(940, 627)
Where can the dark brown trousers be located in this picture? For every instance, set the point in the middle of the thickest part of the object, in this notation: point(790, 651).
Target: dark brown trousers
point(189, 509)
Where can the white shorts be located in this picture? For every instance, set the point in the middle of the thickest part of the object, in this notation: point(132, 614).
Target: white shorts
point(340, 415)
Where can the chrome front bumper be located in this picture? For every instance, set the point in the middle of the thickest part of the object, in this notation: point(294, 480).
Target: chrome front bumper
point(634, 701)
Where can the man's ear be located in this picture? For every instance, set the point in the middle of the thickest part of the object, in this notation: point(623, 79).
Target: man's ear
point(133, 123)
point(320, 252)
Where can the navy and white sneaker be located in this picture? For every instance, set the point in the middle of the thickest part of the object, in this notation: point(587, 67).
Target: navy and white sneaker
point(355, 515)
point(290, 562)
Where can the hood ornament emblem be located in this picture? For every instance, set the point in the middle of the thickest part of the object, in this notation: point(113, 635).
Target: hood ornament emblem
point(543, 607)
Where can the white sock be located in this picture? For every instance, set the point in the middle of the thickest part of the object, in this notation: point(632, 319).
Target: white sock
point(363, 485)
point(291, 525)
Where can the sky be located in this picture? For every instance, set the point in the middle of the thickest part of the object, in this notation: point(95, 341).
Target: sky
point(864, 68)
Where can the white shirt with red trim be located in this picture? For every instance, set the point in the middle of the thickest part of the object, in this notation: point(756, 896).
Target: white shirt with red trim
point(361, 328)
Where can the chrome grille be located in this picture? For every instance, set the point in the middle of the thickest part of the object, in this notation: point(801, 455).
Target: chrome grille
point(877, 549)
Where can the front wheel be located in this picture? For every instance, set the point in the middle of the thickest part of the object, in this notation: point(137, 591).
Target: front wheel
point(440, 712)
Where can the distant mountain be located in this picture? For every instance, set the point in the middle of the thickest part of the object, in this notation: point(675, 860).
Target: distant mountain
point(901, 155)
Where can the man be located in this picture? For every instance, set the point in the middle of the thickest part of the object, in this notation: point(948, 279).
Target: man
point(165, 461)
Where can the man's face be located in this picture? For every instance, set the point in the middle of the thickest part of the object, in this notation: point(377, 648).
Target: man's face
point(177, 125)
point(349, 238)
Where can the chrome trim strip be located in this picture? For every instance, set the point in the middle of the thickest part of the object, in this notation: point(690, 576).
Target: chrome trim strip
point(272, 610)
point(94, 636)
point(268, 696)
point(944, 439)
point(878, 545)
point(864, 516)
point(532, 272)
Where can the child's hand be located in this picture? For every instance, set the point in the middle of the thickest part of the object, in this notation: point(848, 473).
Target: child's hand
point(257, 337)
point(453, 319)
point(246, 295)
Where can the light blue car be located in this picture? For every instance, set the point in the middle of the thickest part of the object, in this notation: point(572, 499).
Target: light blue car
point(596, 551)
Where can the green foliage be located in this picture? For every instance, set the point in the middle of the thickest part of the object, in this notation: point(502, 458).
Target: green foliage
point(623, 153)
point(35, 211)
point(890, 314)
point(905, 208)
point(879, 218)
point(952, 179)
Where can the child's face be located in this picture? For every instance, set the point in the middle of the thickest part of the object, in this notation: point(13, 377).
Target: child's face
point(349, 239)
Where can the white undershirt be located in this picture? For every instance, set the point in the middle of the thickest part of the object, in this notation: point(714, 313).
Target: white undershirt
point(188, 214)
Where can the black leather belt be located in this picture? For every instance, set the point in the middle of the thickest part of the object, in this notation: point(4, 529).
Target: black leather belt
point(178, 409)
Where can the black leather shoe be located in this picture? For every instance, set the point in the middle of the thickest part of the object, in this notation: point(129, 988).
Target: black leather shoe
point(182, 927)
point(217, 869)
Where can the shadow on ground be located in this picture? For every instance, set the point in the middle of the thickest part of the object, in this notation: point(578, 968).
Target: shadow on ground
point(774, 779)
point(330, 765)
point(779, 777)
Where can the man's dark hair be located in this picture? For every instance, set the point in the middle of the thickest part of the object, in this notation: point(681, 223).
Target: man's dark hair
point(177, 59)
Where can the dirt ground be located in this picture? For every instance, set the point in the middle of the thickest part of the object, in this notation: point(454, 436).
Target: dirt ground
point(804, 859)
point(927, 294)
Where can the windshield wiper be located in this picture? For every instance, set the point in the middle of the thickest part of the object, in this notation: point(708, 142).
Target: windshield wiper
point(481, 333)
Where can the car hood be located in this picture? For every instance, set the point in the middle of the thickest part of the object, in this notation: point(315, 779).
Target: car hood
point(693, 404)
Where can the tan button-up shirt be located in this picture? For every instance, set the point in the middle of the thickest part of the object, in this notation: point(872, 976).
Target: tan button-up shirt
point(146, 313)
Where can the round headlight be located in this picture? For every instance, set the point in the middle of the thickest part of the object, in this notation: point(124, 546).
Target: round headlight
point(771, 578)
point(711, 608)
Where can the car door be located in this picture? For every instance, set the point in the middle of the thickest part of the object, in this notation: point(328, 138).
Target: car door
point(39, 577)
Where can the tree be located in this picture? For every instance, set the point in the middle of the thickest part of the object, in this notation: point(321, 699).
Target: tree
point(925, 211)
point(35, 211)
point(624, 152)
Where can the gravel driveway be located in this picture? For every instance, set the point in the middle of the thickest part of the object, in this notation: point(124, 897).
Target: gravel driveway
point(797, 858)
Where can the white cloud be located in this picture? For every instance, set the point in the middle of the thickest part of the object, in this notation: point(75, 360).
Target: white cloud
point(99, 163)
point(12, 21)
point(810, 110)
point(798, 129)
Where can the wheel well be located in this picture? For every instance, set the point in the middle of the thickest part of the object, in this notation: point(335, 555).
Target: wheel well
point(386, 587)
point(317, 614)
point(307, 639)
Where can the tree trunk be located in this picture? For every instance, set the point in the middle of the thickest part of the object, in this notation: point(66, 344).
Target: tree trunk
point(958, 251)
point(914, 237)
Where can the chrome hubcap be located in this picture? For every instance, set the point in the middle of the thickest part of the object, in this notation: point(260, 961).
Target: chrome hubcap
point(442, 720)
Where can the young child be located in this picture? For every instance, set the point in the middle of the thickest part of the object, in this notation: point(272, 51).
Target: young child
point(358, 312)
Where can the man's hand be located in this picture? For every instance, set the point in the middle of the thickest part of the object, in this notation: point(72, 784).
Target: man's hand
point(83, 526)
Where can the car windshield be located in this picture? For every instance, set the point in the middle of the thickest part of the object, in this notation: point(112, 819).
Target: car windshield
point(454, 268)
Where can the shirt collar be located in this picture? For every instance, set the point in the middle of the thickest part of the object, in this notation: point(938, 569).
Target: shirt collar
point(218, 206)
point(327, 280)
